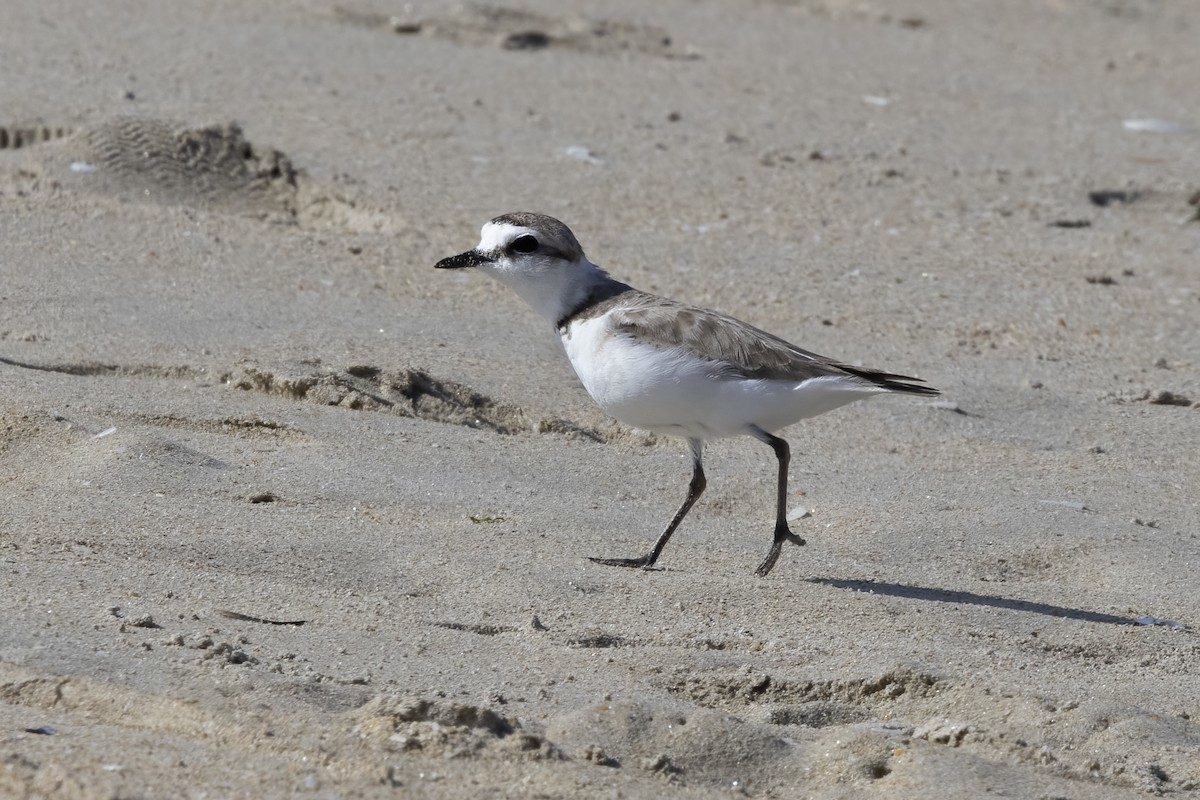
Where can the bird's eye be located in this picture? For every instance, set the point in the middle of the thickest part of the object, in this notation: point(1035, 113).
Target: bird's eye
point(524, 244)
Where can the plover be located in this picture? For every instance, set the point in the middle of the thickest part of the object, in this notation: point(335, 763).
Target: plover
point(668, 367)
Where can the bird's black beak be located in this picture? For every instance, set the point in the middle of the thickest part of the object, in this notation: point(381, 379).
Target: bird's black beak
point(471, 258)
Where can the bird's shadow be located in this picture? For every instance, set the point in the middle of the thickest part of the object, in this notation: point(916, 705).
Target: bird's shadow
point(970, 598)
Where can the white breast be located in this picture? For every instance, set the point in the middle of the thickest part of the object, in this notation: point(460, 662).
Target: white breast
point(672, 391)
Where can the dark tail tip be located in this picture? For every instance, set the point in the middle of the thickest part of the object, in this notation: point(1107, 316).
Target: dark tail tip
point(901, 384)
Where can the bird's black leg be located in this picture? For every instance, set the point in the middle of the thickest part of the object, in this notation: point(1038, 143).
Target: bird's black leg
point(782, 531)
point(695, 489)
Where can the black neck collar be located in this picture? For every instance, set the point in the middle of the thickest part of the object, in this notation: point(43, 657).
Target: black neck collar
point(597, 294)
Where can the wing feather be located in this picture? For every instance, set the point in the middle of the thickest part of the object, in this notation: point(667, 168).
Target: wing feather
point(736, 348)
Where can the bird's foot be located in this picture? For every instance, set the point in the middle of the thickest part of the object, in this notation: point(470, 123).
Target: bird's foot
point(782, 534)
point(769, 562)
point(645, 562)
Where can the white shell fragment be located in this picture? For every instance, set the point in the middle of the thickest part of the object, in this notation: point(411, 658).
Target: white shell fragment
point(578, 151)
point(799, 512)
point(1154, 126)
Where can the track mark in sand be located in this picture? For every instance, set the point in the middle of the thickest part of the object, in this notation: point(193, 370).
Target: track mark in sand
point(516, 29)
point(92, 369)
point(210, 166)
point(227, 424)
point(231, 424)
point(407, 392)
point(14, 137)
point(601, 641)
point(692, 747)
point(816, 714)
point(480, 629)
point(443, 728)
point(1169, 203)
point(205, 166)
point(1070, 739)
point(1155, 397)
point(732, 689)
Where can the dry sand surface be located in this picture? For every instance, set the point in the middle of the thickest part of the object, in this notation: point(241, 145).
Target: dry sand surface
point(234, 392)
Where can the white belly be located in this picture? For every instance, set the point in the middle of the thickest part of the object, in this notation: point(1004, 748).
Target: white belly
point(671, 391)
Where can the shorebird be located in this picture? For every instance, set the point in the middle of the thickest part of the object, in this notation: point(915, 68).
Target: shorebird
point(668, 367)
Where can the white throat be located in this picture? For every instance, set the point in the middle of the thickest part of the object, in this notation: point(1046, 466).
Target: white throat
point(551, 287)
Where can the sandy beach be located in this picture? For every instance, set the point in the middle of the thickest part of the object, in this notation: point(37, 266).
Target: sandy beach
point(286, 512)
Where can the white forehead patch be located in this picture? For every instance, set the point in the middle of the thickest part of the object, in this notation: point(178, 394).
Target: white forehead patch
point(495, 235)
